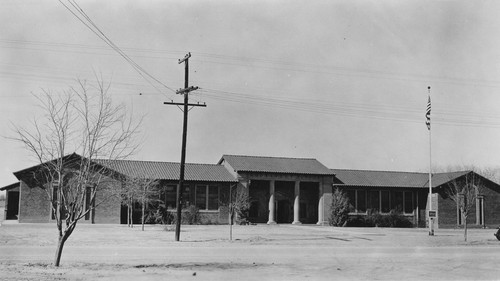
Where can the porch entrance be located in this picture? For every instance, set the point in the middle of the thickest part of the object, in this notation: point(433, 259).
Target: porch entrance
point(12, 205)
point(284, 196)
point(309, 200)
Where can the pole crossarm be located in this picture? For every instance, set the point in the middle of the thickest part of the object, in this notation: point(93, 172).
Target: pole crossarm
point(189, 104)
point(185, 58)
point(186, 90)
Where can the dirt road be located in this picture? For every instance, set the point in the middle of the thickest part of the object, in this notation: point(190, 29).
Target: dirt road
point(262, 252)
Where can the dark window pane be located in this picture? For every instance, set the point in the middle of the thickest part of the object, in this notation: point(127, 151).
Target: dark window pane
point(361, 201)
point(374, 200)
point(351, 195)
point(201, 197)
point(385, 201)
point(397, 203)
point(170, 196)
point(213, 197)
point(186, 196)
point(408, 202)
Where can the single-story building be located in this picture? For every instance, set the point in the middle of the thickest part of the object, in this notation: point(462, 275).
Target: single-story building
point(205, 187)
point(280, 190)
point(383, 191)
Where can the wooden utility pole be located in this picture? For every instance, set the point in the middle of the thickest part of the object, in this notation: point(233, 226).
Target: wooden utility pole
point(186, 104)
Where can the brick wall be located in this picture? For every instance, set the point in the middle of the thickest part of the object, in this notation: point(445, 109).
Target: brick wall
point(448, 210)
point(491, 207)
point(34, 205)
point(108, 212)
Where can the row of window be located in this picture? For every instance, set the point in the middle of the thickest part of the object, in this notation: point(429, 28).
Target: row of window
point(206, 197)
point(380, 200)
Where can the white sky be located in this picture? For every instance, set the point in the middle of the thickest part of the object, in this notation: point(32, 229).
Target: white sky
point(341, 81)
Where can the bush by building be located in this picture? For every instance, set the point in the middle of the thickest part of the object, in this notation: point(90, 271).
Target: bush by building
point(375, 219)
point(339, 210)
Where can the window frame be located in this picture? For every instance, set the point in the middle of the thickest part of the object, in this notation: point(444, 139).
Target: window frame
point(207, 197)
point(391, 196)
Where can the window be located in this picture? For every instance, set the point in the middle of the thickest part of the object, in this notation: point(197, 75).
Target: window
point(361, 201)
point(408, 202)
point(374, 200)
point(398, 201)
point(207, 197)
point(171, 196)
point(201, 197)
point(385, 200)
point(351, 195)
point(213, 197)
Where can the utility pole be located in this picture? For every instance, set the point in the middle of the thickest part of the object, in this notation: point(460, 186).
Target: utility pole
point(186, 104)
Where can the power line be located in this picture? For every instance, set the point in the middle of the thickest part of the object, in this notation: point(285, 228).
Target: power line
point(80, 14)
point(273, 64)
point(394, 113)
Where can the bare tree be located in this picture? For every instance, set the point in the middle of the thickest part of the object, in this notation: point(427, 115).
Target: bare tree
point(139, 189)
point(81, 119)
point(238, 205)
point(465, 191)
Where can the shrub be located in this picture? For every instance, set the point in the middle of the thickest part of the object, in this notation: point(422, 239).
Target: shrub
point(339, 210)
point(373, 218)
point(159, 215)
point(191, 215)
point(396, 219)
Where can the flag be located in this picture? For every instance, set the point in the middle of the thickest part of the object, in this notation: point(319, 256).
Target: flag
point(428, 114)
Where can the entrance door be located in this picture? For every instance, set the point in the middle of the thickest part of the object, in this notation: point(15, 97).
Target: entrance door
point(13, 205)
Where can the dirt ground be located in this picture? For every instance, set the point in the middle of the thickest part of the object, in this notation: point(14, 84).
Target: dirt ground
point(260, 252)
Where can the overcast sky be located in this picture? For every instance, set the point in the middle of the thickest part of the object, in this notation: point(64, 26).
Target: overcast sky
point(344, 82)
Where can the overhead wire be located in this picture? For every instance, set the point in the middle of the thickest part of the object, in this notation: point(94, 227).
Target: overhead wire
point(395, 113)
point(271, 64)
point(87, 21)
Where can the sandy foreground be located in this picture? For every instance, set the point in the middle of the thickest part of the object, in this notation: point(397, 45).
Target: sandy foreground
point(260, 252)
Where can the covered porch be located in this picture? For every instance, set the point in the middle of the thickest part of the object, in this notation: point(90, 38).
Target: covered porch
point(285, 201)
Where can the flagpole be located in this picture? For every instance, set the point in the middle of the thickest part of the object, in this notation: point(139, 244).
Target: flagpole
point(431, 219)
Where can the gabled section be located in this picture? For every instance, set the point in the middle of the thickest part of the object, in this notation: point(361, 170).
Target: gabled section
point(10, 186)
point(305, 166)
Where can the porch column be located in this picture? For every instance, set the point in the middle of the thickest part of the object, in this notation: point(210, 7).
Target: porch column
point(320, 205)
point(296, 204)
point(271, 219)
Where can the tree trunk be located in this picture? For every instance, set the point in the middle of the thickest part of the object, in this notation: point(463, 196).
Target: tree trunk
point(60, 245)
point(465, 228)
point(143, 209)
point(231, 225)
point(131, 215)
point(128, 215)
